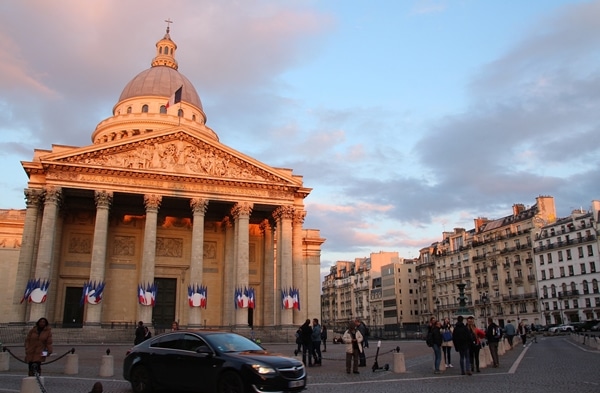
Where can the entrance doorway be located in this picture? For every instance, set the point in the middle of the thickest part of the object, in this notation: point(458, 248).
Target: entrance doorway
point(73, 311)
point(163, 313)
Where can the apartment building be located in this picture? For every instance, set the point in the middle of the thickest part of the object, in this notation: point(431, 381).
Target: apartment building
point(568, 267)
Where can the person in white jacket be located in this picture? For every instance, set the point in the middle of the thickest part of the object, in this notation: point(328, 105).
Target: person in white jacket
point(353, 340)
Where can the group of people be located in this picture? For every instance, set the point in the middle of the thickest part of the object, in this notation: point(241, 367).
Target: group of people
point(308, 341)
point(467, 340)
point(356, 338)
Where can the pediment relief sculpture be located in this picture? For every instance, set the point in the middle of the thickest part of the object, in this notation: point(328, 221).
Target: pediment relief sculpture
point(174, 156)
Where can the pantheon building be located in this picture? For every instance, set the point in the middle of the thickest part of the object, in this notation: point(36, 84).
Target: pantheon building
point(156, 214)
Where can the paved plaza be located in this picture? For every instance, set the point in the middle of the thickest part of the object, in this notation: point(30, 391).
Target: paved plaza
point(553, 364)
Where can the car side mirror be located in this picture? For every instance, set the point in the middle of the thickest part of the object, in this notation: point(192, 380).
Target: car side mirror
point(204, 349)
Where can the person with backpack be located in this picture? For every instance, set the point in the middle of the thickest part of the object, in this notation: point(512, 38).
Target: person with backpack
point(493, 334)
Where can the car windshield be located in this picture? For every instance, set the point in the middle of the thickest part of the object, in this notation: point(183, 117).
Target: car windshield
point(231, 342)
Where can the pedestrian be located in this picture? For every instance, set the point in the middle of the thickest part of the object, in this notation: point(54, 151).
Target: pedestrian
point(316, 341)
point(307, 343)
point(298, 336)
point(447, 341)
point(324, 337)
point(97, 388)
point(38, 345)
point(140, 333)
point(364, 331)
point(493, 335)
point(476, 336)
point(435, 335)
point(509, 331)
point(174, 326)
point(462, 340)
point(353, 340)
point(522, 331)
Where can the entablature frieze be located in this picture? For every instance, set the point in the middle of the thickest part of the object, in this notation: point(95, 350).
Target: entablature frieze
point(167, 185)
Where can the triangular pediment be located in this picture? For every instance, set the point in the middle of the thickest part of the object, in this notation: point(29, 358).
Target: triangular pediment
point(177, 153)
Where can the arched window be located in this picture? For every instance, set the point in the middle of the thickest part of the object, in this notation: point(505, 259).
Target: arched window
point(180, 113)
point(128, 109)
point(160, 50)
point(545, 291)
point(553, 290)
point(573, 287)
point(171, 51)
point(144, 108)
point(193, 117)
point(595, 285)
point(564, 288)
point(163, 109)
point(586, 288)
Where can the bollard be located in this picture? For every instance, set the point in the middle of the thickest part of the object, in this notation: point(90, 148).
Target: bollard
point(488, 356)
point(107, 367)
point(72, 364)
point(30, 385)
point(399, 363)
point(482, 359)
point(4, 361)
point(501, 350)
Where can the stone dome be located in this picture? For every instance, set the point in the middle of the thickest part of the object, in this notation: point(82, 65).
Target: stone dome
point(161, 81)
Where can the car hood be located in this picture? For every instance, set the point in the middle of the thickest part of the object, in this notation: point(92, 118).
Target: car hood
point(272, 359)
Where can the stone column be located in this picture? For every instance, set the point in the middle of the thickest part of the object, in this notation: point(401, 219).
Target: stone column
point(228, 274)
point(299, 268)
point(241, 214)
point(268, 302)
point(198, 206)
point(152, 203)
point(98, 265)
point(284, 216)
point(45, 255)
point(33, 199)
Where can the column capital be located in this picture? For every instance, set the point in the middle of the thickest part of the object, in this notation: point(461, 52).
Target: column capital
point(199, 205)
point(265, 225)
point(52, 194)
point(299, 216)
point(33, 197)
point(152, 202)
point(242, 209)
point(284, 212)
point(103, 198)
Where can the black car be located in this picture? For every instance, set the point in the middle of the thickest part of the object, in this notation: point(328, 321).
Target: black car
point(210, 361)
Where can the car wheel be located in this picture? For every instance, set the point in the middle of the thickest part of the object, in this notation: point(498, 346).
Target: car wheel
point(230, 382)
point(141, 381)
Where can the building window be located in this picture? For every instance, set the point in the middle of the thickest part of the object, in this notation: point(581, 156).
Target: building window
point(580, 249)
point(592, 267)
point(193, 117)
point(163, 109)
point(549, 257)
point(543, 274)
point(595, 286)
point(144, 108)
point(585, 286)
point(597, 301)
point(553, 290)
point(582, 267)
point(571, 271)
point(590, 251)
point(551, 273)
point(128, 109)
point(569, 255)
point(560, 256)
point(180, 113)
point(541, 259)
point(562, 271)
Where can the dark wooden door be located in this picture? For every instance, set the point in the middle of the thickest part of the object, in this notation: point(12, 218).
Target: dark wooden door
point(73, 310)
point(163, 314)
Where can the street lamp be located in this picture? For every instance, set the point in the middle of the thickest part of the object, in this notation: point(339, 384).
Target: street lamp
point(484, 300)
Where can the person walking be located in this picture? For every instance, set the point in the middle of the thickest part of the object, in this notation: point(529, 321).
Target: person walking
point(38, 345)
point(493, 335)
point(509, 331)
point(476, 335)
point(461, 339)
point(522, 331)
point(353, 340)
point(316, 341)
point(364, 331)
point(324, 337)
point(298, 341)
point(140, 333)
point(307, 343)
point(447, 341)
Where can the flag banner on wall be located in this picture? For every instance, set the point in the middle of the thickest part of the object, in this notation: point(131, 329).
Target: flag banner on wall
point(197, 295)
point(36, 291)
point(175, 98)
point(244, 298)
point(290, 298)
point(92, 292)
point(147, 295)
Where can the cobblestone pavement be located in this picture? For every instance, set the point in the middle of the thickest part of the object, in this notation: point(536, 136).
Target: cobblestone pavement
point(552, 364)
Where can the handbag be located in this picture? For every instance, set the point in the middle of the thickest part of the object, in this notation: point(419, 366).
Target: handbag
point(447, 335)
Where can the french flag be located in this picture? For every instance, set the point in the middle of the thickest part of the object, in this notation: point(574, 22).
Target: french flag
point(175, 98)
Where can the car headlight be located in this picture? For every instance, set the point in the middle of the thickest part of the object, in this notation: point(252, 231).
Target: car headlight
point(262, 369)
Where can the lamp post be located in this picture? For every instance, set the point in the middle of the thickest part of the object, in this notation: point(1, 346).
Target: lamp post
point(484, 300)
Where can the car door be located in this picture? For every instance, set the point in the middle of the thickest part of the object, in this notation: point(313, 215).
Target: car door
point(197, 370)
point(165, 358)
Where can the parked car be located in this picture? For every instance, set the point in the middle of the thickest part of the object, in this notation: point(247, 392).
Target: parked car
point(209, 361)
point(561, 328)
point(586, 326)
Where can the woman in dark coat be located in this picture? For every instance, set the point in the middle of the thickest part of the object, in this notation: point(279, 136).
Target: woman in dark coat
point(461, 337)
point(38, 345)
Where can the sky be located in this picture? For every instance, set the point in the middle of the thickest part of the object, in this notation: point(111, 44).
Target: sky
point(406, 118)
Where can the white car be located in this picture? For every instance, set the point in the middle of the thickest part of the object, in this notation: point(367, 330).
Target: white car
point(561, 328)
